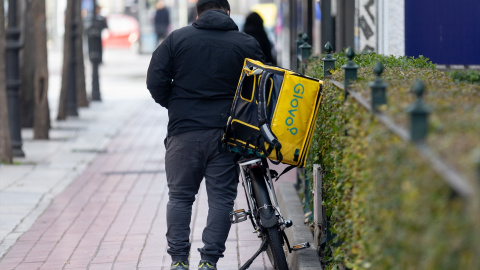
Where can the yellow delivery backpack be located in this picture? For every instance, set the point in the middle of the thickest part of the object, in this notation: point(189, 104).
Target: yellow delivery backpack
point(273, 114)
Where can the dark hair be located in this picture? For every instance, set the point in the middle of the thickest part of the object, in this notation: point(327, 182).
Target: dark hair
point(253, 20)
point(204, 5)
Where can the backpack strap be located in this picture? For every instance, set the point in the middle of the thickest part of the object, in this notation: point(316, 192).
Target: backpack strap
point(289, 168)
point(222, 144)
point(267, 134)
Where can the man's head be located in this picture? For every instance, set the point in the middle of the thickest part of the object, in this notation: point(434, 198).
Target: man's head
point(204, 5)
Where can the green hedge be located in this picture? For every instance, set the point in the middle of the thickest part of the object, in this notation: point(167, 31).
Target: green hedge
point(471, 76)
point(386, 207)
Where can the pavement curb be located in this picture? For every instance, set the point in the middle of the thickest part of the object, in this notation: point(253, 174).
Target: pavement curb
point(291, 207)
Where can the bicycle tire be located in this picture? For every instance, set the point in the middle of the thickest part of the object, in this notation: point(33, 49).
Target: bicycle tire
point(275, 251)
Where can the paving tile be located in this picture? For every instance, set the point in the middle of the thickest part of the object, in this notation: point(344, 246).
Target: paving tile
point(50, 265)
point(125, 265)
point(100, 266)
point(29, 266)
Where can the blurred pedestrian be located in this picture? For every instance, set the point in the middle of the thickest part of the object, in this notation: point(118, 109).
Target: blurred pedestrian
point(96, 24)
point(194, 74)
point(162, 20)
point(254, 27)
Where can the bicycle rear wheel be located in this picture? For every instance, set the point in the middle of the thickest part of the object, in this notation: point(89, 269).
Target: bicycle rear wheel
point(275, 251)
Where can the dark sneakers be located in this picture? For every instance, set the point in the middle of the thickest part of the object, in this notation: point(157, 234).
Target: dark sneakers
point(203, 265)
point(179, 265)
point(206, 265)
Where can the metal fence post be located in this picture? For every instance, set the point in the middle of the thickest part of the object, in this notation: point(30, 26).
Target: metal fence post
point(378, 87)
point(305, 52)
point(317, 204)
point(350, 70)
point(328, 60)
point(418, 114)
point(298, 43)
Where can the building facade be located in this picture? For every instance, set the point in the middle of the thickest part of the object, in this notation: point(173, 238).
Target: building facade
point(447, 33)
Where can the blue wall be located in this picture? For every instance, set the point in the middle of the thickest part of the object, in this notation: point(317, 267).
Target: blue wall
point(447, 32)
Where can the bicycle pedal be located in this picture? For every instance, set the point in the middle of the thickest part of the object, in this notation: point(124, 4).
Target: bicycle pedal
point(238, 216)
point(301, 246)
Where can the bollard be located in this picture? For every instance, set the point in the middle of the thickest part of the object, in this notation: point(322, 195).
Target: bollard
point(12, 66)
point(350, 70)
point(418, 114)
point(328, 61)
point(378, 87)
point(305, 52)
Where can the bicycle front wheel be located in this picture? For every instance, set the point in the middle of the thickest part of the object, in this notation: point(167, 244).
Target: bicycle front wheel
point(275, 250)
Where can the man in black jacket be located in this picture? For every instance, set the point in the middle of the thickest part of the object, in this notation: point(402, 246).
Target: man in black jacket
point(194, 74)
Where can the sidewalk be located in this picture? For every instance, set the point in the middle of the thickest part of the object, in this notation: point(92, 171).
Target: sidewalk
point(94, 196)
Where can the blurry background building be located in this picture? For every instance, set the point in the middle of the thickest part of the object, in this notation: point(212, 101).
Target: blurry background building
point(444, 32)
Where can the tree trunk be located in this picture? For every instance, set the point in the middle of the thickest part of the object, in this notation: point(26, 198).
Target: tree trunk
point(5, 144)
point(42, 111)
point(82, 100)
point(26, 96)
point(62, 106)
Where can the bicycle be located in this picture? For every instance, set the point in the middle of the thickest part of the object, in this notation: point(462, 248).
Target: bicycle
point(264, 213)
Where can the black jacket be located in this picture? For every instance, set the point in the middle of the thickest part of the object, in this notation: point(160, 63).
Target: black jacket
point(195, 71)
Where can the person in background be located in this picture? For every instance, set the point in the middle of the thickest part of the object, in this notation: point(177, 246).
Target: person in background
point(254, 26)
point(95, 26)
point(194, 74)
point(162, 20)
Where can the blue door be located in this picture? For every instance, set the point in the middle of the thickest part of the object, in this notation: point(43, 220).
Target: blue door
point(447, 32)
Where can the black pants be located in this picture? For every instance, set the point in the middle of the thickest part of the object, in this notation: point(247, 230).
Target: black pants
point(190, 157)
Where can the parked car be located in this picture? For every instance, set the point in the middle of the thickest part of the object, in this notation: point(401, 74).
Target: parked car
point(123, 31)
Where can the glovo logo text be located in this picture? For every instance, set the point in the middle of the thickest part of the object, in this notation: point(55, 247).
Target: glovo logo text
point(299, 90)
